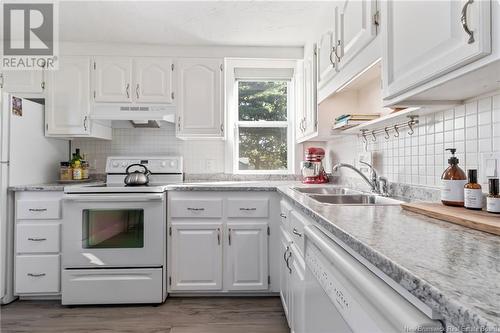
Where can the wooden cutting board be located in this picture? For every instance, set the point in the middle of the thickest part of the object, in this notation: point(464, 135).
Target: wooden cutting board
point(479, 220)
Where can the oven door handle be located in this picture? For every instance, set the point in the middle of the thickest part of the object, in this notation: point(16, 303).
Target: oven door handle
point(115, 198)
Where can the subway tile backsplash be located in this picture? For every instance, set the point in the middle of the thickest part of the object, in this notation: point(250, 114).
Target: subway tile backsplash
point(200, 156)
point(420, 159)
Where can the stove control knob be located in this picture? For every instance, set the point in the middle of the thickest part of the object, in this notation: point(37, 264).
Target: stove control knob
point(124, 164)
point(115, 164)
point(172, 164)
point(163, 164)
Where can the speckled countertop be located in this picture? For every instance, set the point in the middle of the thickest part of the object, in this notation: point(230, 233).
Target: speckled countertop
point(259, 185)
point(454, 270)
point(49, 186)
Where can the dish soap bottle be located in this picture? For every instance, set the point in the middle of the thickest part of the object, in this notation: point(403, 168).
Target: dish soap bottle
point(473, 195)
point(453, 182)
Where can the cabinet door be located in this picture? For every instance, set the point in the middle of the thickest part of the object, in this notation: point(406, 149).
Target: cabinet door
point(67, 108)
point(113, 79)
point(423, 40)
point(299, 101)
point(356, 26)
point(285, 274)
point(326, 58)
point(196, 256)
point(200, 109)
point(246, 259)
point(311, 108)
point(153, 80)
point(297, 297)
point(23, 81)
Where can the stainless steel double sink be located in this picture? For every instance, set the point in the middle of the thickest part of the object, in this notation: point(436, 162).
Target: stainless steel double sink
point(345, 196)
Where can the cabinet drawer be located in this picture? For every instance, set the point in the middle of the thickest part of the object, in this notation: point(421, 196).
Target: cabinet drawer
point(297, 224)
point(211, 208)
point(39, 237)
point(112, 286)
point(248, 208)
point(38, 209)
point(37, 274)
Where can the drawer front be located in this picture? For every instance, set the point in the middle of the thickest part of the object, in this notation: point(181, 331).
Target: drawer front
point(297, 224)
point(211, 208)
point(39, 237)
point(38, 209)
point(248, 208)
point(112, 286)
point(37, 274)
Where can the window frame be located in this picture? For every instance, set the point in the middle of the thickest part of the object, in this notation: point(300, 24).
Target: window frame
point(288, 124)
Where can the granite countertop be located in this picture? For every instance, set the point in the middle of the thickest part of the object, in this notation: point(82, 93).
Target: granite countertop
point(50, 186)
point(452, 269)
point(258, 185)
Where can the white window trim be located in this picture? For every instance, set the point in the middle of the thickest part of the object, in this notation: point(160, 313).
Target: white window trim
point(232, 153)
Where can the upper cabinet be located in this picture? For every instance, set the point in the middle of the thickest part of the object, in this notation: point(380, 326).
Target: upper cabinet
point(200, 111)
point(129, 80)
point(424, 40)
point(24, 82)
point(307, 111)
point(153, 80)
point(357, 23)
point(67, 107)
point(348, 46)
point(113, 79)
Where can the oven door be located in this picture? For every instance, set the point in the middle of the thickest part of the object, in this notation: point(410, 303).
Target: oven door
point(114, 230)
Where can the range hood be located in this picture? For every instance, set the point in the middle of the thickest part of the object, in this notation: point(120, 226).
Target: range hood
point(138, 114)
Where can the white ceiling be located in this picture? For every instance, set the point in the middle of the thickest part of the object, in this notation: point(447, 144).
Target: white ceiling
point(249, 23)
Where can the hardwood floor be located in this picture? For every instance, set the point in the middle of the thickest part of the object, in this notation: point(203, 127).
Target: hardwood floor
point(176, 315)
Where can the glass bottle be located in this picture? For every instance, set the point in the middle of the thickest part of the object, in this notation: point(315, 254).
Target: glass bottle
point(473, 194)
point(453, 182)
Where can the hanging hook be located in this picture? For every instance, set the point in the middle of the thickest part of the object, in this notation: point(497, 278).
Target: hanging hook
point(410, 125)
point(387, 136)
point(364, 139)
point(374, 137)
point(396, 135)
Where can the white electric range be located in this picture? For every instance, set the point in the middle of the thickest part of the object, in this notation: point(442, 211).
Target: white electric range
point(114, 236)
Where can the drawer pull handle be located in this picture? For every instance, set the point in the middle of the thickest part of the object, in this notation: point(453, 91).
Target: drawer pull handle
point(37, 209)
point(37, 239)
point(283, 215)
point(195, 209)
point(229, 236)
point(248, 209)
point(36, 274)
point(295, 232)
point(218, 236)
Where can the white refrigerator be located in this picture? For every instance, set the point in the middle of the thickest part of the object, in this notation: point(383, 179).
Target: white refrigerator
point(26, 157)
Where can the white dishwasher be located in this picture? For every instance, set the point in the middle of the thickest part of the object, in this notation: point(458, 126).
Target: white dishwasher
point(342, 295)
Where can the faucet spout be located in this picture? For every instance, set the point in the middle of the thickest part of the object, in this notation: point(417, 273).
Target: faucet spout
point(373, 183)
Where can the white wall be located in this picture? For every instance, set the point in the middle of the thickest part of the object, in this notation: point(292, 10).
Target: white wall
point(472, 128)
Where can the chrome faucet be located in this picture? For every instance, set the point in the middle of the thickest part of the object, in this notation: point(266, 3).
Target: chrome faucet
point(379, 185)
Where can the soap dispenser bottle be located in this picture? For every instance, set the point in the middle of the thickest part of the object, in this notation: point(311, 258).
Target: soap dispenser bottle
point(453, 182)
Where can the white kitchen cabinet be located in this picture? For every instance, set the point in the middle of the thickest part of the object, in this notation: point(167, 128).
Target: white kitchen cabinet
point(25, 82)
point(196, 256)
point(246, 256)
point(37, 235)
point(356, 26)
point(153, 80)
point(200, 111)
point(113, 79)
point(67, 107)
point(297, 296)
point(424, 40)
point(307, 121)
point(285, 269)
point(326, 57)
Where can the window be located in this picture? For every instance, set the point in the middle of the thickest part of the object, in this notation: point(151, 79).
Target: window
point(263, 127)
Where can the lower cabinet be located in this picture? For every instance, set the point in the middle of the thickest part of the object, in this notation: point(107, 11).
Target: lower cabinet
point(219, 242)
point(246, 256)
point(285, 270)
point(196, 256)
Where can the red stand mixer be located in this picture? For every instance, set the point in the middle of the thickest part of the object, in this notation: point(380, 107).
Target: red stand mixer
point(312, 168)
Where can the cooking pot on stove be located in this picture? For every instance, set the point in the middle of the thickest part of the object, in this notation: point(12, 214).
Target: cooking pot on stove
point(137, 177)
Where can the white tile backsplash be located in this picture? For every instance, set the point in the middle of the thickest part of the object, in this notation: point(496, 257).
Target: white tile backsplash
point(200, 156)
point(420, 159)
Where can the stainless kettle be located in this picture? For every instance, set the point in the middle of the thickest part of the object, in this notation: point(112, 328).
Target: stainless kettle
point(137, 177)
